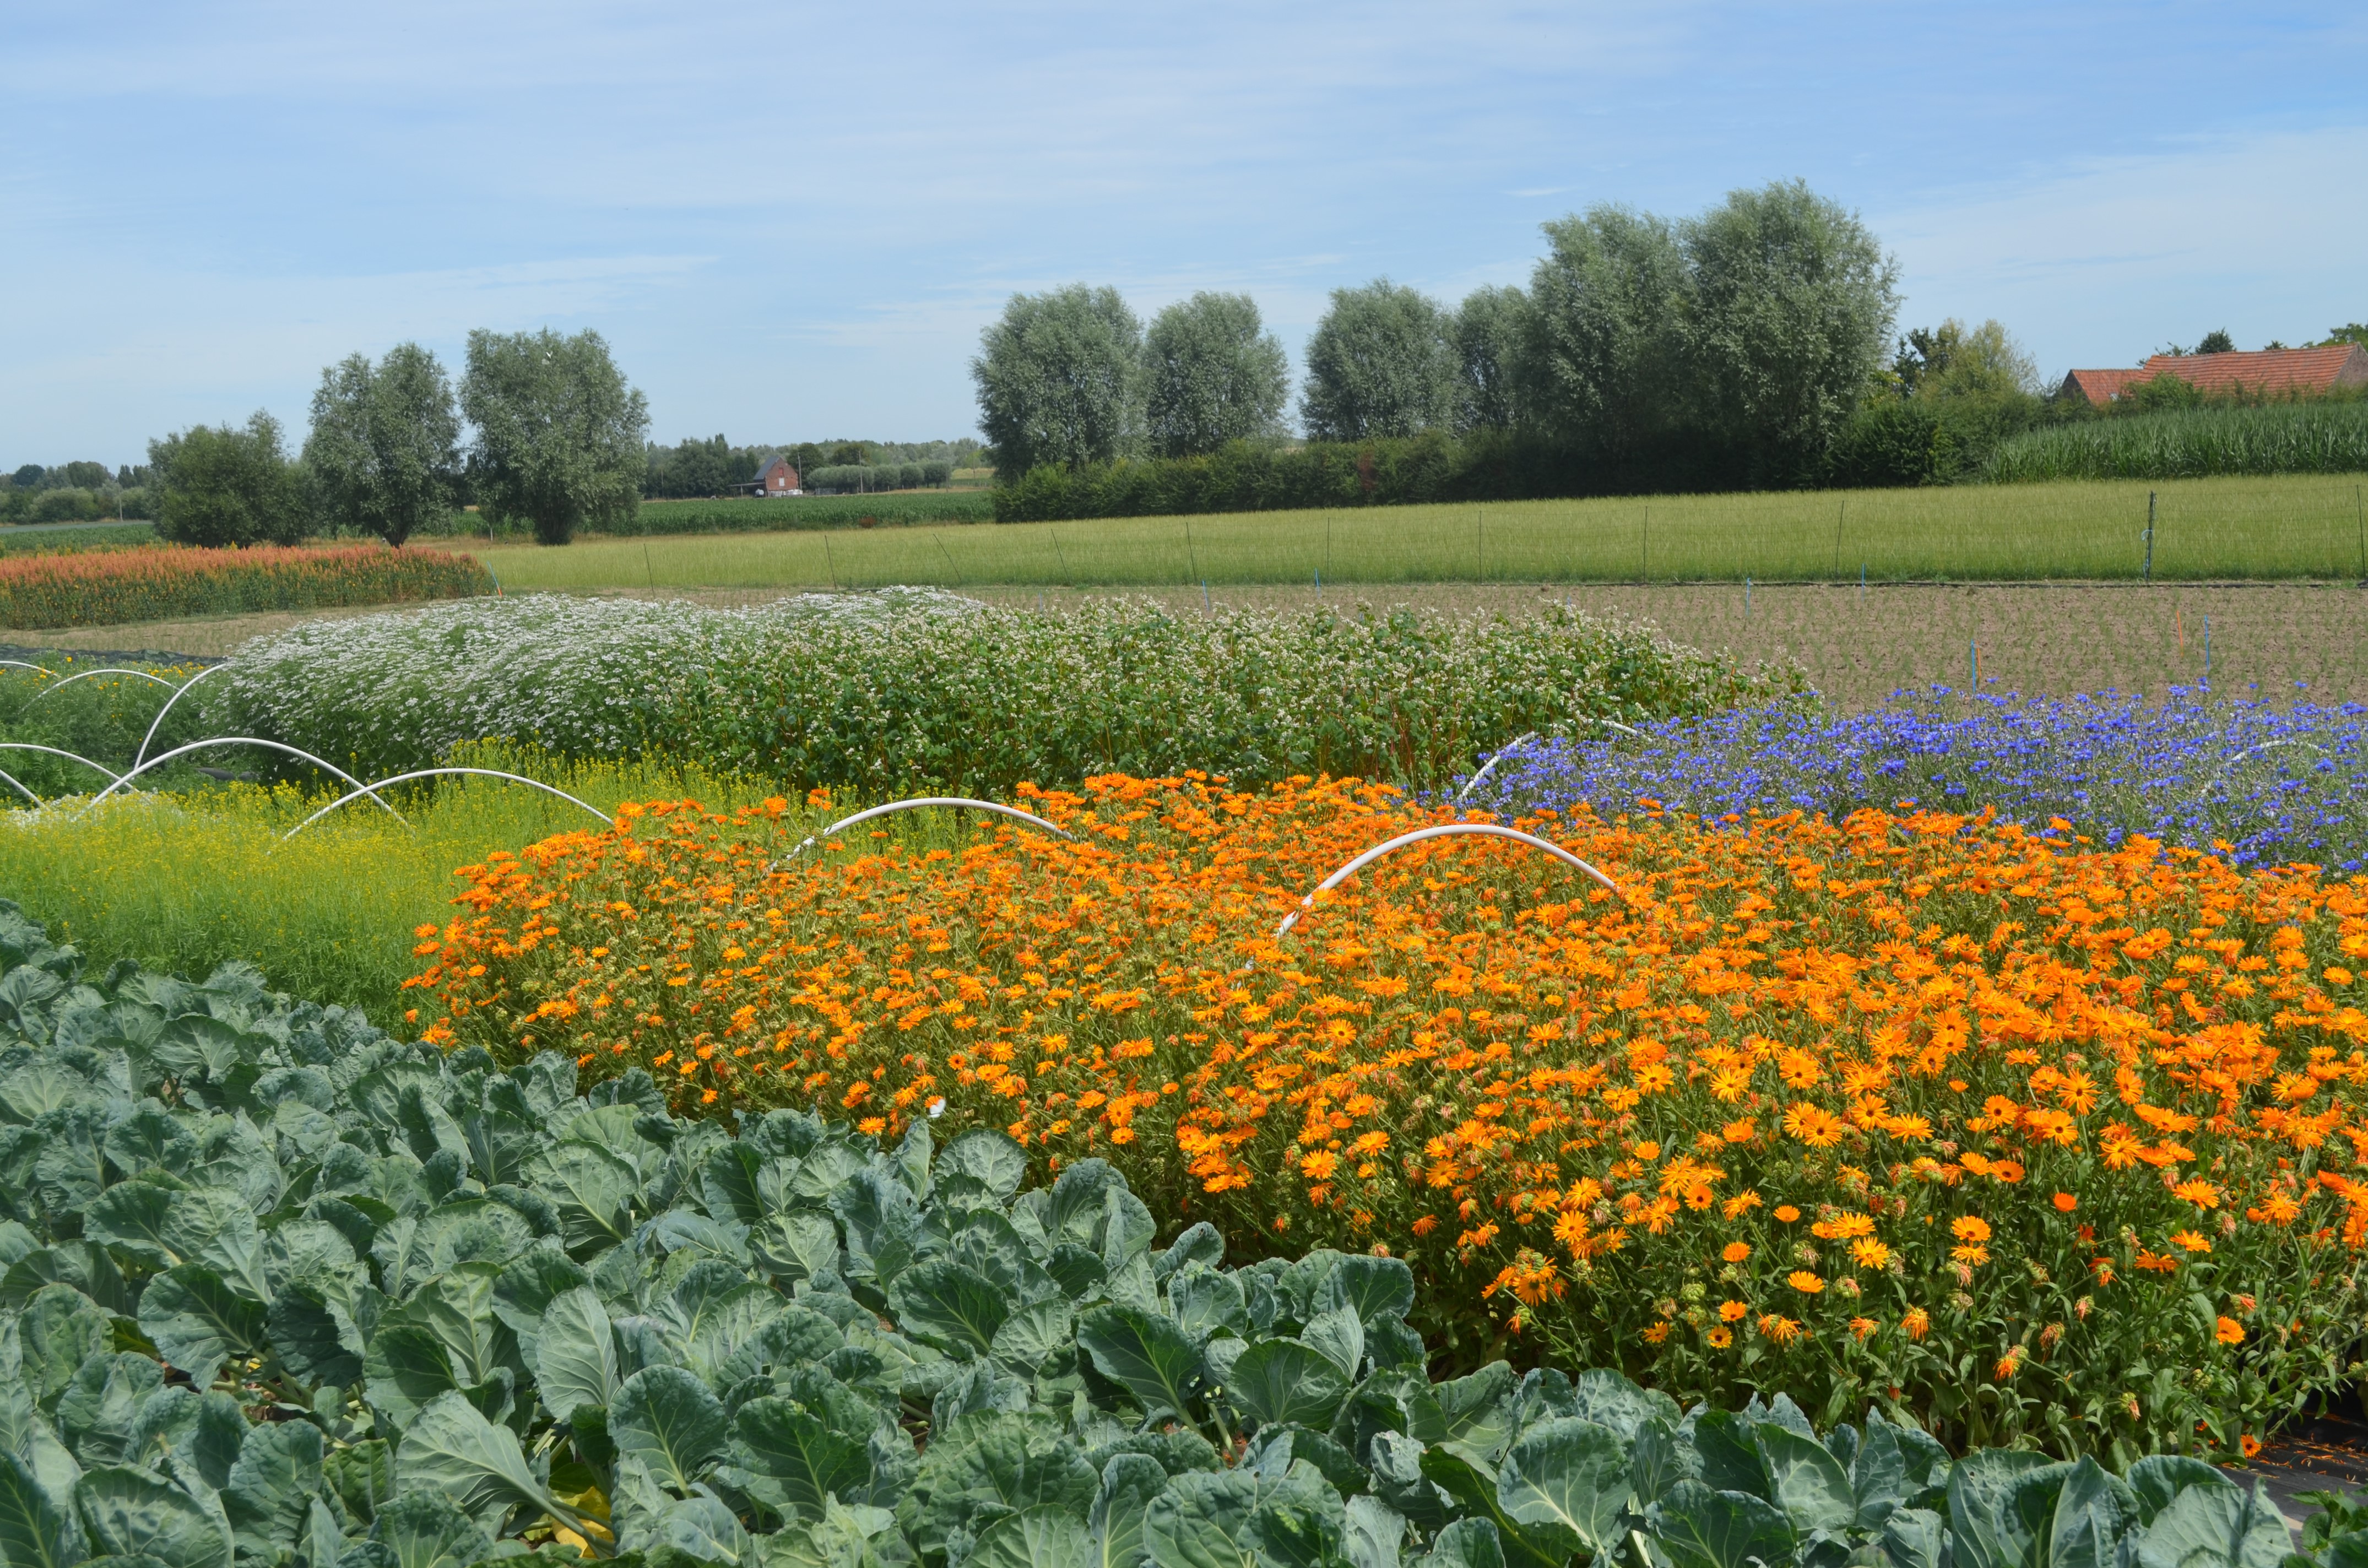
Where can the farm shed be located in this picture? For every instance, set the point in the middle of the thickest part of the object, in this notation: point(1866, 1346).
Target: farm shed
point(2272, 372)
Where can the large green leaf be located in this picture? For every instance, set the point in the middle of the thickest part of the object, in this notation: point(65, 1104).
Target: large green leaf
point(2156, 1480)
point(99, 1411)
point(808, 1462)
point(36, 1531)
point(1466, 1543)
point(1878, 1474)
point(1477, 1494)
point(1566, 1480)
point(129, 1513)
point(58, 1331)
point(196, 1320)
point(1149, 1355)
point(453, 1449)
point(992, 1158)
point(1043, 1537)
point(427, 1529)
point(2214, 1527)
point(953, 1307)
point(666, 1418)
point(575, 1353)
point(2000, 1501)
point(1697, 1527)
point(313, 1337)
point(2093, 1512)
point(1371, 1288)
point(1806, 1481)
point(1281, 1380)
point(1203, 1521)
point(1913, 1538)
point(594, 1190)
point(1375, 1534)
point(272, 1488)
point(1129, 1483)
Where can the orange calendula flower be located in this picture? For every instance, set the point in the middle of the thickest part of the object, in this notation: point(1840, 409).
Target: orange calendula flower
point(1732, 1312)
point(1861, 1327)
point(1779, 1330)
point(1917, 1322)
point(2065, 1203)
point(1658, 1333)
point(2228, 1331)
point(2189, 1241)
point(1736, 1252)
point(1787, 1214)
point(1970, 1228)
point(1805, 1281)
point(1719, 1338)
point(2009, 1365)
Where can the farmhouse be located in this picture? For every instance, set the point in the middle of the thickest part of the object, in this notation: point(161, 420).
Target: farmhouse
point(2265, 372)
point(776, 477)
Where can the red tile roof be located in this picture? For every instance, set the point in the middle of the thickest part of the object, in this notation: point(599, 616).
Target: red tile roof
point(2266, 370)
point(2101, 386)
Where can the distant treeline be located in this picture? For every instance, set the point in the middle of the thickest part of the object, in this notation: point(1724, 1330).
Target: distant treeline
point(694, 468)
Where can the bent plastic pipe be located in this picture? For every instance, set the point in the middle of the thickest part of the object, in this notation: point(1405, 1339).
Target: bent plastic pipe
point(159, 761)
point(69, 756)
point(1443, 830)
point(434, 772)
point(837, 828)
point(141, 755)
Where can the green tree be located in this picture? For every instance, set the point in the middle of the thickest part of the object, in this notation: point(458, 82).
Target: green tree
point(1955, 360)
point(1211, 375)
point(1487, 335)
point(1792, 301)
point(1059, 380)
point(229, 486)
point(384, 449)
point(1379, 364)
point(2216, 341)
point(2350, 332)
point(1605, 365)
point(559, 432)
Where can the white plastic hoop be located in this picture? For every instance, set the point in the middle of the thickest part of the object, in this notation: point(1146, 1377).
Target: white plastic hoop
point(86, 675)
point(21, 664)
point(845, 823)
point(1443, 830)
point(1490, 766)
point(10, 779)
point(159, 761)
point(141, 755)
point(434, 772)
point(69, 756)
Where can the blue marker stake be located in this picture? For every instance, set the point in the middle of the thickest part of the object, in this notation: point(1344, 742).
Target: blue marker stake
point(2207, 649)
point(1205, 597)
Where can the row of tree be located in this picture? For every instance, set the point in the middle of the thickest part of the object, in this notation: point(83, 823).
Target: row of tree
point(1753, 330)
point(716, 467)
point(556, 442)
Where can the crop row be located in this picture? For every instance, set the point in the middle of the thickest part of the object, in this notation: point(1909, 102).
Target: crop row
point(2021, 1137)
point(283, 1291)
point(913, 691)
point(107, 587)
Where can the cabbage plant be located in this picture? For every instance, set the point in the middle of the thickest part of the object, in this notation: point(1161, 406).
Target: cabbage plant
point(282, 1289)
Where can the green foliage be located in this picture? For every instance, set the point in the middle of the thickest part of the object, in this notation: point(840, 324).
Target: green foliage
point(1789, 301)
point(2216, 341)
point(65, 507)
point(1605, 362)
point(802, 514)
point(1379, 365)
point(915, 692)
point(695, 468)
point(2316, 436)
point(433, 1312)
point(1058, 378)
point(1211, 375)
point(559, 432)
point(1489, 465)
point(197, 875)
point(384, 448)
point(227, 486)
point(1486, 333)
point(1953, 360)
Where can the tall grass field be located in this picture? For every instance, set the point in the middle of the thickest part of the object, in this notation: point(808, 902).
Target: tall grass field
point(2280, 438)
point(2283, 527)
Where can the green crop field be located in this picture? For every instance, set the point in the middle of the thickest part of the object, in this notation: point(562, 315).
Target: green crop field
point(2305, 526)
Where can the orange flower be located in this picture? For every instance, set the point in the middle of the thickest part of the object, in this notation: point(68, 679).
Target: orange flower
point(2249, 1445)
point(1787, 1214)
point(1781, 1330)
point(1860, 1327)
point(1801, 1279)
point(1871, 1254)
point(1732, 1312)
point(1719, 1338)
point(1658, 1333)
point(2189, 1241)
point(2065, 1203)
point(1425, 1225)
point(1736, 1252)
point(1970, 1228)
point(2228, 1331)
point(2009, 1365)
point(1917, 1322)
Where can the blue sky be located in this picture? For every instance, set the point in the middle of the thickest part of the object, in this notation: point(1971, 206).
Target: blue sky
point(790, 220)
